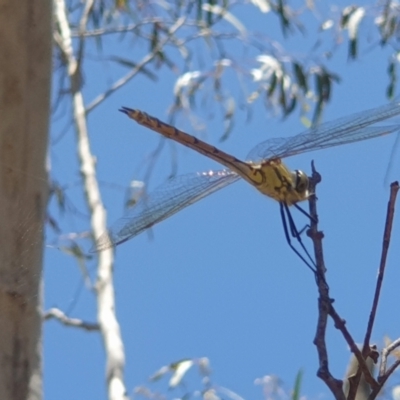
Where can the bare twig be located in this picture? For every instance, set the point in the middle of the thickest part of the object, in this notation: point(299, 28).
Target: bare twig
point(59, 315)
point(82, 28)
point(325, 306)
point(117, 29)
point(85, 16)
point(108, 322)
point(383, 379)
point(394, 188)
point(385, 353)
point(340, 324)
point(324, 301)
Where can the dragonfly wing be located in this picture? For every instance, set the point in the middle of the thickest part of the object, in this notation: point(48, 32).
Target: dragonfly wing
point(165, 201)
point(345, 130)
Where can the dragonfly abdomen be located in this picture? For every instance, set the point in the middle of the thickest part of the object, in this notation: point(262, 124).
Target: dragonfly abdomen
point(244, 169)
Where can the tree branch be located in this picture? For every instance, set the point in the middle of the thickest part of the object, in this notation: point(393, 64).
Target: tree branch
point(366, 351)
point(108, 323)
point(59, 315)
point(325, 306)
point(324, 301)
point(385, 353)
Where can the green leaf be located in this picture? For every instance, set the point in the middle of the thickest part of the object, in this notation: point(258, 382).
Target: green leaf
point(326, 87)
point(300, 77)
point(58, 192)
point(346, 14)
point(210, 13)
point(76, 251)
point(199, 10)
point(297, 385)
point(392, 79)
point(305, 121)
point(353, 49)
point(282, 96)
point(272, 85)
point(291, 106)
point(180, 368)
point(53, 224)
point(281, 9)
point(159, 373)
point(230, 107)
point(121, 4)
point(132, 64)
point(154, 37)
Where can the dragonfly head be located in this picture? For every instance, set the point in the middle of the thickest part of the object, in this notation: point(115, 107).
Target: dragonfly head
point(300, 180)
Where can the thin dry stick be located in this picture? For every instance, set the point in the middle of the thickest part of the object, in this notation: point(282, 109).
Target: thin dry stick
point(383, 376)
point(366, 351)
point(325, 305)
point(383, 379)
point(394, 187)
point(59, 315)
point(108, 322)
point(341, 325)
point(324, 301)
point(118, 29)
point(385, 353)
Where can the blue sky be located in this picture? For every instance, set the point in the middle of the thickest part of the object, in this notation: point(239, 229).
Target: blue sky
point(218, 280)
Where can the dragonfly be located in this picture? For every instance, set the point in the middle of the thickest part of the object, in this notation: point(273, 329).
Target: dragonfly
point(265, 170)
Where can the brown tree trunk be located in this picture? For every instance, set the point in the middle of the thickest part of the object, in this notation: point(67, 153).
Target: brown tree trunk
point(25, 76)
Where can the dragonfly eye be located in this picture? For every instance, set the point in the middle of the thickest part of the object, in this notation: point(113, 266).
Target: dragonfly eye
point(301, 181)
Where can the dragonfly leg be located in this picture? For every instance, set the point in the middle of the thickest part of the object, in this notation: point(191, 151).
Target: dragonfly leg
point(306, 226)
point(305, 213)
point(295, 232)
point(285, 213)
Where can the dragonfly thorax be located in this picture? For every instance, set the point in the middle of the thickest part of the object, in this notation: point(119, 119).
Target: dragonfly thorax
point(275, 180)
point(300, 180)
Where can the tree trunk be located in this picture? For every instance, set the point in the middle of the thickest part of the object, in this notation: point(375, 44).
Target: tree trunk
point(25, 76)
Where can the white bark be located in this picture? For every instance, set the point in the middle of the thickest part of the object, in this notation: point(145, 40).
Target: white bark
point(108, 323)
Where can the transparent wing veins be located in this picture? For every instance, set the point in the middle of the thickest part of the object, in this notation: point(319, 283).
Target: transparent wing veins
point(342, 131)
point(166, 200)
